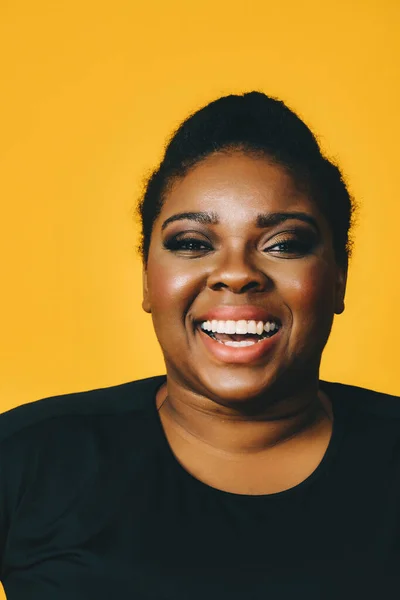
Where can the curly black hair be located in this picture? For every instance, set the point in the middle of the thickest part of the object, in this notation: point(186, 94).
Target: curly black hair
point(257, 124)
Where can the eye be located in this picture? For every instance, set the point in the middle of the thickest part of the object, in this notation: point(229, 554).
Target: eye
point(188, 245)
point(292, 247)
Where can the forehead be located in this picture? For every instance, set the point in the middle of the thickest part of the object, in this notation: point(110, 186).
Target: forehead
point(236, 185)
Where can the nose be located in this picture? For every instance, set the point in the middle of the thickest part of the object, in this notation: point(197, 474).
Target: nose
point(236, 271)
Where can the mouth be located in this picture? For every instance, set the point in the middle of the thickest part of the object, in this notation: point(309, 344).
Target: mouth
point(240, 334)
point(239, 341)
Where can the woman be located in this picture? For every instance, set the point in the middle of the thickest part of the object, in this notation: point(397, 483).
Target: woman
point(238, 474)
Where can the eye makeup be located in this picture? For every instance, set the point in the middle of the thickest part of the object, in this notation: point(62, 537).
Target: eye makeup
point(296, 242)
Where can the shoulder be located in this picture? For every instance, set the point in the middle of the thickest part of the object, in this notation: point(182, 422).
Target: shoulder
point(62, 450)
point(133, 396)
point(363, 400)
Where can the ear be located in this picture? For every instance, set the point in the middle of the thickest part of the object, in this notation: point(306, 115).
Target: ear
point(340, 289)
point(146, 301)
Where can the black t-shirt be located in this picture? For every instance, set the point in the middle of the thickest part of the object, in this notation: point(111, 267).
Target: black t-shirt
point(94, 505)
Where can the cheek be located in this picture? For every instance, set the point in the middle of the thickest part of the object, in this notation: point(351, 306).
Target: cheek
point(311, 291)
point(170, 290)
point(309, 297)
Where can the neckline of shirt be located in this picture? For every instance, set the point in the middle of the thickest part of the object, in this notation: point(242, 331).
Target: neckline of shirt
point(339, 410)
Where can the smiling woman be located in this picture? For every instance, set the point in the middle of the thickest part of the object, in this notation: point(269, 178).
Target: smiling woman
point(238, 473)
point(266, 248)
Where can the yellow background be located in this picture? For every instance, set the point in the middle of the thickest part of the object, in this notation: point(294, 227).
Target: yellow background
point(90, 93)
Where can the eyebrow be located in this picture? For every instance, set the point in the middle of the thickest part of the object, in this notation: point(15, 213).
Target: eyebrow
point(263, 220)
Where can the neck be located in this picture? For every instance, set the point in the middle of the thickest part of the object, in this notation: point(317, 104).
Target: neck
point(228, 431)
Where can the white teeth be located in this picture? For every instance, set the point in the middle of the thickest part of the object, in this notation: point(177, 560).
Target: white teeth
point(239, 344)
point(251, 327)
point(242, 327)
point(220, 327)
point(230, 327)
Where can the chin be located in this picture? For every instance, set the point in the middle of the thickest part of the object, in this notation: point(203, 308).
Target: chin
point(239, 387)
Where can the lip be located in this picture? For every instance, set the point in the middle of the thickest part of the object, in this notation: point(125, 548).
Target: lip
point(247, 354)
point(246, 312)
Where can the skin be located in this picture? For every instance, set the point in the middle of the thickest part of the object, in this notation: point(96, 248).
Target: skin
point(251, 428)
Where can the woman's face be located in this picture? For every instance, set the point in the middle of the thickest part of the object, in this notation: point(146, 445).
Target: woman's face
point(237, 241)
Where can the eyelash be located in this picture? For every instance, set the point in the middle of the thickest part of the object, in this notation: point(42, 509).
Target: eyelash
point(298, 247)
